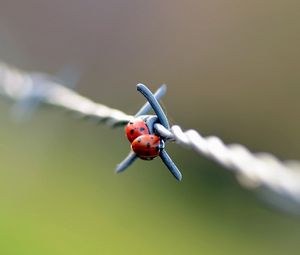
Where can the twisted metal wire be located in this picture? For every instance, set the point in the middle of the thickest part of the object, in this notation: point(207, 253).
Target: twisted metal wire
point(278, 181)
point(20, 86)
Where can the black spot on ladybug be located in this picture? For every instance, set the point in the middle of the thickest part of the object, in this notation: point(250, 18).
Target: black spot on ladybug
point(132, 131)
point(139, 140)
point(157, 148)
point(142, 129)
point(131, 123)
point(148, 145)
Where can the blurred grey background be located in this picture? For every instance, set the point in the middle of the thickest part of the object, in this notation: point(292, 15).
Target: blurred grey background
point(232, 70)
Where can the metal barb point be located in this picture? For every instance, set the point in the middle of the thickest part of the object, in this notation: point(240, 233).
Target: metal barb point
point(161, 118)
point(154, 104)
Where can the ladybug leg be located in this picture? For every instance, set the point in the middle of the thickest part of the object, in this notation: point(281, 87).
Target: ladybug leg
point(126, 162)
point(170, 165)
point(147, 106)
point(154, 104)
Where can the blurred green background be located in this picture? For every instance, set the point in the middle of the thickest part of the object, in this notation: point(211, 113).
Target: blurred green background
point(232, 69)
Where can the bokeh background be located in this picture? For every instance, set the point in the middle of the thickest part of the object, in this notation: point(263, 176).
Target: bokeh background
point(232, 69)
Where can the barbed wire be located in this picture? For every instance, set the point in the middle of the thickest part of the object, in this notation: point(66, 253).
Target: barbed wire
point(32, 88)
point(278, 181)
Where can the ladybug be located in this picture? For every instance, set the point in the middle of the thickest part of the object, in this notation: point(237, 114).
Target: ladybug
point(147, 146)
point(136, 128)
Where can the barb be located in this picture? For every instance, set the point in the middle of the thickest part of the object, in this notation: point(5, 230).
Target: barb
point(145, 144)
point(278, 181)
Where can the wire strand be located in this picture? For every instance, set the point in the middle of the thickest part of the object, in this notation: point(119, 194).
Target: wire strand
point(19, 86)
point(279, 181)
point(253, 170)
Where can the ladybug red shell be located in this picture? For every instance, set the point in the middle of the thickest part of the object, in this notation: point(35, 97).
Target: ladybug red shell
point(147, 146)
point(136, 128)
